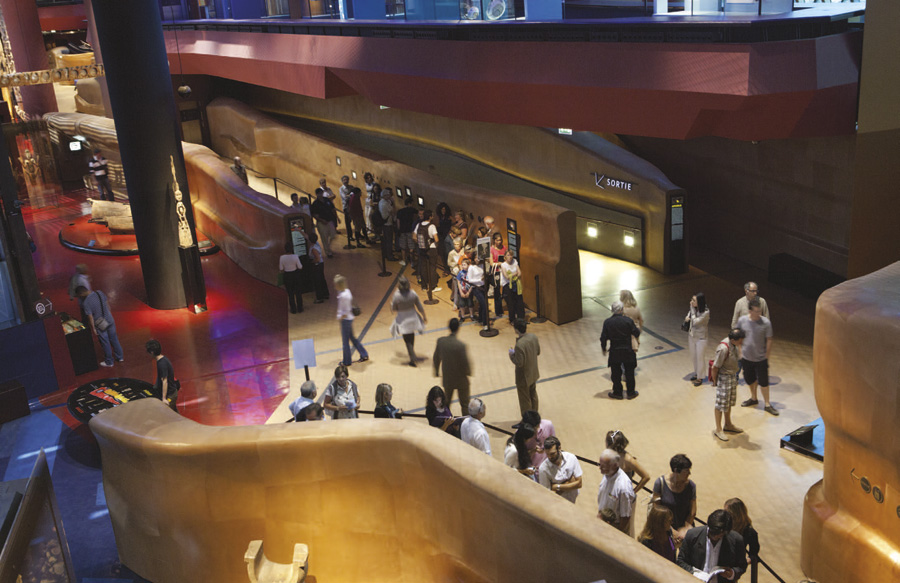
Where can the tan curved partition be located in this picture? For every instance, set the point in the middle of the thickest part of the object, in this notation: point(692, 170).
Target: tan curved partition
point(547, 230)
point(851, 518)
point(249, 227)
point(374, 500)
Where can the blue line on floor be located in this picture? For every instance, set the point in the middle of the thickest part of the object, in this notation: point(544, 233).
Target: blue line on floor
point(432, 331)
point(645, 330)
point(561, 376)
point(387, 294)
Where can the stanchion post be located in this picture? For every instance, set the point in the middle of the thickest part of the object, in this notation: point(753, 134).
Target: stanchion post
point(490, 332)
point(349, 244)
point(539, 318)
point(384, 271)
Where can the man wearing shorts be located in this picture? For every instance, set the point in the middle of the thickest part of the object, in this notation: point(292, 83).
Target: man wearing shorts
point(724, 377)
point(755, 354)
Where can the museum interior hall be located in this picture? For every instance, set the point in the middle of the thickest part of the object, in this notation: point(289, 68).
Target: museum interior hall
point(211, 208)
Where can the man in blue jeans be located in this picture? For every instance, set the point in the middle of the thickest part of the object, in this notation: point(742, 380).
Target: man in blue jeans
point(101, 321)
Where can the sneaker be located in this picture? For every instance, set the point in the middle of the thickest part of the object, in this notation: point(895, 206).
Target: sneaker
point(319, 301)
point(631, 395)
point(403, 263)
point(437, 289)
point(733, 429)
point(363, 359)
point(120, 359)
point(486, 328)
point(412, 363)
point(697, 382)
point(106, 364)
point(615, 396)
point(772, 410)
point(750, 403)
point(693, 378)
point(720, 435)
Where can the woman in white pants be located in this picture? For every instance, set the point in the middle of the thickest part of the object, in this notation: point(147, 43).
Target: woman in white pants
point(698, 317)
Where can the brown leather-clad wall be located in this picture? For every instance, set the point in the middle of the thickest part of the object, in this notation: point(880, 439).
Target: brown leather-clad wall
point(547, 231)
point(248, 226)
point(532, 154)
point(375, 501)
point(852, 532)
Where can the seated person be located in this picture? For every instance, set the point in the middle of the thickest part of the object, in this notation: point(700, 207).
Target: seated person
point(707, 549)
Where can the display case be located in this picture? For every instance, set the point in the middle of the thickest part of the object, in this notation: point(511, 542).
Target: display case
point(80, 341)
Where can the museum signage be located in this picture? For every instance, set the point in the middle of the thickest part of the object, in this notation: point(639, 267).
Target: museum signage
point(603, 181)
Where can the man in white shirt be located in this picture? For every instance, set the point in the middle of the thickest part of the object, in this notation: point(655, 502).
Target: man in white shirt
point(472, 430)
point(560, 472)
point(329, 194)
point(616, 490)
point(741, 307)
point(307, 397)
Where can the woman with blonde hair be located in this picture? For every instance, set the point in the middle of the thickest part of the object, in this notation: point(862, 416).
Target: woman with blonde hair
point(744, 527)
point(345, 313)
point(616, 441)
point(383, 407)
point(632, 311)
point(657, 533)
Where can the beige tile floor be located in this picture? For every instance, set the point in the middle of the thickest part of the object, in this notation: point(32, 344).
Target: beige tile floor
point(670, 416)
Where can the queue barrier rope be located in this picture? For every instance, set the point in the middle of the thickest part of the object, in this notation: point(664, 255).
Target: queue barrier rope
point(592, 463)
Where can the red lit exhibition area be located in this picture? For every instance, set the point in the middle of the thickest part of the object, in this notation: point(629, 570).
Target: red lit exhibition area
point(696, 78)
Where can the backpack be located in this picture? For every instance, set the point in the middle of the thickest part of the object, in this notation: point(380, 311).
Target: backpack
point(422, 235)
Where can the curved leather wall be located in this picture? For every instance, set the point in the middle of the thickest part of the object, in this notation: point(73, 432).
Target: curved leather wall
point(375, 500)
point(248, 226)
point(534, 154)
point(548, 231)
point(849, 533)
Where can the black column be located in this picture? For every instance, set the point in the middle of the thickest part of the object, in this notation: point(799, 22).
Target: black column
point(143, 107)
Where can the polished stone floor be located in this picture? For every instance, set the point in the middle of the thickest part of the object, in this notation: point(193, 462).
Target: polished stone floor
point(670, 416)
point(236, 366)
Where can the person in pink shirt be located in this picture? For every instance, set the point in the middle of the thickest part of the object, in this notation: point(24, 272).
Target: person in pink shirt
point(543, 428)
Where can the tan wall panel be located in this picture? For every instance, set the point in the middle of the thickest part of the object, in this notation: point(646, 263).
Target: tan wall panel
point(548, 231)
point(374, 500)
point(526, 152)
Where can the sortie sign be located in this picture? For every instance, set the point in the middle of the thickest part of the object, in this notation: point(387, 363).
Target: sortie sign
point(604, 181)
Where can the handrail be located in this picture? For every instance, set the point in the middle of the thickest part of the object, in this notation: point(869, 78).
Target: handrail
point(275, 180)
point(589, 462)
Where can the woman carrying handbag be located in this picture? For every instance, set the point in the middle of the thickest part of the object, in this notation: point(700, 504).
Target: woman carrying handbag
point(697, 321)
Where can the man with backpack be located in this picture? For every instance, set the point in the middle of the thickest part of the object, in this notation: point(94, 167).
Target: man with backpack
point(427, 239)
point(724, 377)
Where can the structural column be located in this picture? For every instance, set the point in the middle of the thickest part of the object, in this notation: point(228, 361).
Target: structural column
point(143, 107)
point(29, 54)
point(874, 236)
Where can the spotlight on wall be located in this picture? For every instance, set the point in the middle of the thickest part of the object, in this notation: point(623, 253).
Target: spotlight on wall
point(565, 131)
point(629, 239)
point(592, 230)
point(338, 160)
point(383, 107)
point(353, 174)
